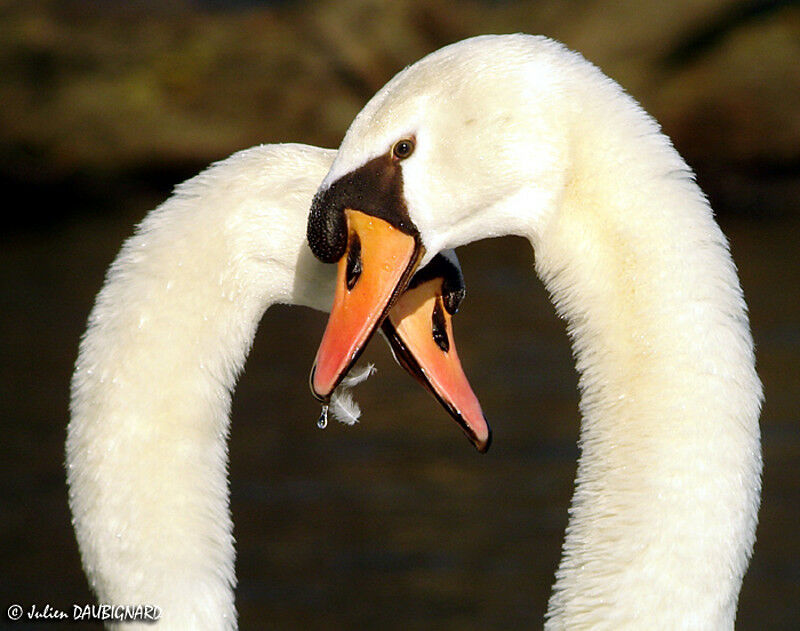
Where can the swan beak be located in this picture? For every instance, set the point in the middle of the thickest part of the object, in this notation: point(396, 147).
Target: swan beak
point(420, 331)
point(377, 264)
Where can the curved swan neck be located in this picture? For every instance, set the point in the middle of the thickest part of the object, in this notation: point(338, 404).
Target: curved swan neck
point(667, 490)
point(167, 338)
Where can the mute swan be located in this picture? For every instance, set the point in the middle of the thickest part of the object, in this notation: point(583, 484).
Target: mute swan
point(517, 135)
point(146, 449)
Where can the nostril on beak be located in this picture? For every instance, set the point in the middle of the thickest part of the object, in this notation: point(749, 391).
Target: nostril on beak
point(354, 267)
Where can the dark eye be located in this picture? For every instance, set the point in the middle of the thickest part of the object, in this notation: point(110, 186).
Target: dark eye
point(403, 148)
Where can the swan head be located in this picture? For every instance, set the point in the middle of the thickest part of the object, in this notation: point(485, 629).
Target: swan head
point(438, 158)
point(443, 150)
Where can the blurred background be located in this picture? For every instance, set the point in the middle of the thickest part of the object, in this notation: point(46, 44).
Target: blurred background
point(395, 523)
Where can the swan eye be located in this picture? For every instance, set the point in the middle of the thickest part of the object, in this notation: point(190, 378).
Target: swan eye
point(353, 262)
point(439, 328)
point(403, 148)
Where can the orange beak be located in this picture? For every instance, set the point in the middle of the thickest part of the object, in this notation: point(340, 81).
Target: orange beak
point(376, 266)
point(420, 331)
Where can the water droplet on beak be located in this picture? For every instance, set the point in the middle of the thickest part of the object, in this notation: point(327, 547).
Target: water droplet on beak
point(322, 421)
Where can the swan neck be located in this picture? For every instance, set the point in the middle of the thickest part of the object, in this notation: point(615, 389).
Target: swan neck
point(667, 488)
point(151, 393)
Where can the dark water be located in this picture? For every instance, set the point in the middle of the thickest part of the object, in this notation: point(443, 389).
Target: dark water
point(395, 523)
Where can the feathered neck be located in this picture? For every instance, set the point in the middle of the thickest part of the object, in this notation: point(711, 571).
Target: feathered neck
point(151, 392)
point(663, 517)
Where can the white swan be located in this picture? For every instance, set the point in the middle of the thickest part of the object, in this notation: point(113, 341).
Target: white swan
point(146, 449)
point(517, 135)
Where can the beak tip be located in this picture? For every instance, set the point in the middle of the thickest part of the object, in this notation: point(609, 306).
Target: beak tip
point(482, 445)
point(315, 390)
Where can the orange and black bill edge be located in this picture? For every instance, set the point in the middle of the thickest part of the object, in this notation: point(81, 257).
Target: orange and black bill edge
point(376, 267)
point(420, 332)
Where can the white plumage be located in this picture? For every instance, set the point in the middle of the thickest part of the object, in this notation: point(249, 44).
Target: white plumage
point(151, 391)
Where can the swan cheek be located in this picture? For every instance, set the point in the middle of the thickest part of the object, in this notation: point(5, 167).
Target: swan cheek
point(376, 267)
